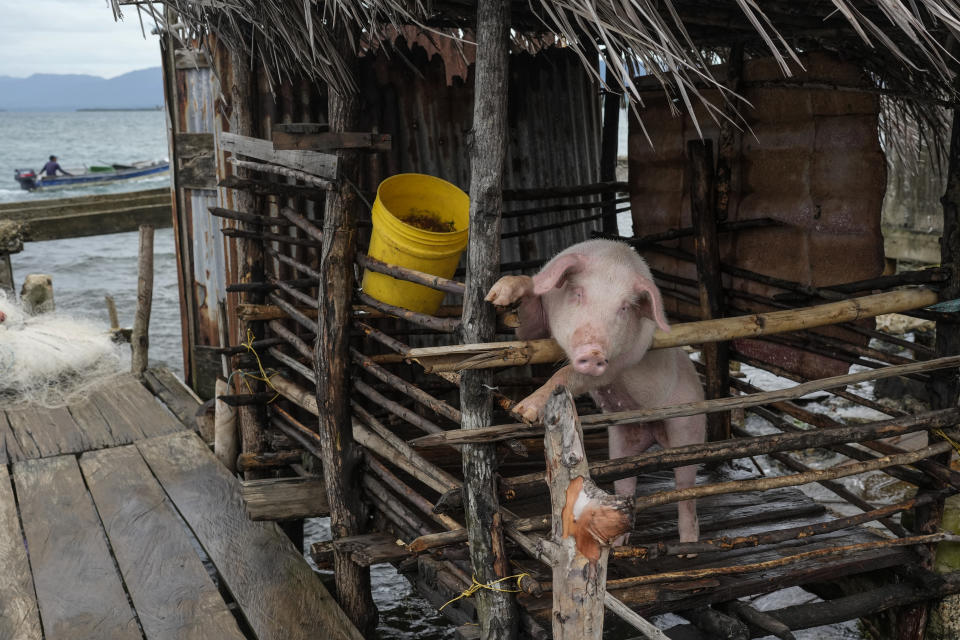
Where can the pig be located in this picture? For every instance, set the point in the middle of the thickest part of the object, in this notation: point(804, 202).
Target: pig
point(597, 299)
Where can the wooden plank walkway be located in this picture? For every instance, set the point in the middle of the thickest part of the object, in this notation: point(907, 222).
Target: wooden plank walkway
point(104, 506)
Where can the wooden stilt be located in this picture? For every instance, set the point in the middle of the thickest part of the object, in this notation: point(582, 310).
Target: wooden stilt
point(139, 339)
point(496, 610)
point(340, 454)
point(716, 355)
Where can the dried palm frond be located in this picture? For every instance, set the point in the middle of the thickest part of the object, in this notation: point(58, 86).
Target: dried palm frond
point(903, 43)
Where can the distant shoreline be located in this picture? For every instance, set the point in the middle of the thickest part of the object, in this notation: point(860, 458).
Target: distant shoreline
point(156, 108)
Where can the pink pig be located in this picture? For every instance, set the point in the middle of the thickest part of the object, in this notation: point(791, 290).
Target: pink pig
point(597, 299)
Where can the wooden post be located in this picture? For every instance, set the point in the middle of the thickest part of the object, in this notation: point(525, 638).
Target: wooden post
point(341, 455)
point(6, 273)
point(609, 141)
point(496, 609)
point(139, 339)
point(585, 523)
point(716, 357)
point(112, 313)
point(240, 118)
point(944, 387)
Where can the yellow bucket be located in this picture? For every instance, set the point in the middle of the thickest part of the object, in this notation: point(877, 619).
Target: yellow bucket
point(403, 201)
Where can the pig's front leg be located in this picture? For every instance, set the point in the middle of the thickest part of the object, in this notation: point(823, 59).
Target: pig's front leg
point(508, 289)
point(531, 407)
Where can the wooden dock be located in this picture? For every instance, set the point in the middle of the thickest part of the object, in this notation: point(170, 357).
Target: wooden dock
point(91, 215)
point(109, 510)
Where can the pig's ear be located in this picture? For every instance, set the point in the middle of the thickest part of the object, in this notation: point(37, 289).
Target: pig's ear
point(557, 271)
point(649, 301)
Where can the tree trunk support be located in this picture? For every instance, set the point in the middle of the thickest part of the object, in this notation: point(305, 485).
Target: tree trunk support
point(340, 454)
point(586, 521)
point(496, 610)
point(716, 356)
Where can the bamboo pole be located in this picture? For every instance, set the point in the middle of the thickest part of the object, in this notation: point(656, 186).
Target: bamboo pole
point(140, 338)
point(437, 406)
point(411, 275)
point(386, 476)
point(446, 325)
point(377, 438)
point(711, 572)
point(648, 462)
point(807, 477)
point(516, 353)
point(599, 421)
point(803, 532)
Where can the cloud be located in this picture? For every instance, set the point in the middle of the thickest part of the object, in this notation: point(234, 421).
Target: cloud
point(73, 36)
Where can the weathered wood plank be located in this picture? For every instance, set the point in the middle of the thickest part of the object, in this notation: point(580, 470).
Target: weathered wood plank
point(170, 589)
point(187, 59)
point(121, 424)
point(19, 617)
point(178, 398)
point(79, 592)
point(19, 443)
point(327, 141)
point(98, 429)
point(312, 162)
point(52, 431)
point(366, 549)
point(155, 420)
point(279, 594)
point(9, 447)
point(285, 498)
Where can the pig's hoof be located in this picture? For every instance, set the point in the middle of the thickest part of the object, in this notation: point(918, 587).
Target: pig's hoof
point(507, 290)
point(527, 412)
point(688, 556)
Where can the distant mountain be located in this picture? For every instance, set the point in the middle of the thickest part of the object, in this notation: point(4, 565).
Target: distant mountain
point(66, 92)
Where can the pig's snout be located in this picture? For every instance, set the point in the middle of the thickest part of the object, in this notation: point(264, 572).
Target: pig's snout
point(590, 360)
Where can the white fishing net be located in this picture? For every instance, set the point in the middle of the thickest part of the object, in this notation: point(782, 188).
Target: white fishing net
point(52, 359)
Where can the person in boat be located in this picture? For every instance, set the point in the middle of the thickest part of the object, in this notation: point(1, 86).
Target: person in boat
point(50, 169)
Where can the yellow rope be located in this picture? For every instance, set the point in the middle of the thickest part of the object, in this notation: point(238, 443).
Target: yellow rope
point(476, 586)
point(264, 376)
point(943, 434)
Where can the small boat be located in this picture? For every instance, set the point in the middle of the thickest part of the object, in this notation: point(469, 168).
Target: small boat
point(30, 179)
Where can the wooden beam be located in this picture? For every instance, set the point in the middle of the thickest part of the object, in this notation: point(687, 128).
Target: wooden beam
point(505, 354)
point(329, 141)
point(313, 163)
point(285, 498)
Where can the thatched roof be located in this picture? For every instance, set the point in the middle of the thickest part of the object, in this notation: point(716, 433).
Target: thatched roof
point(904, 45)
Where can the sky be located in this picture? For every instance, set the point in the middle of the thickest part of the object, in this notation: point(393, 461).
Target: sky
point(73, 36)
